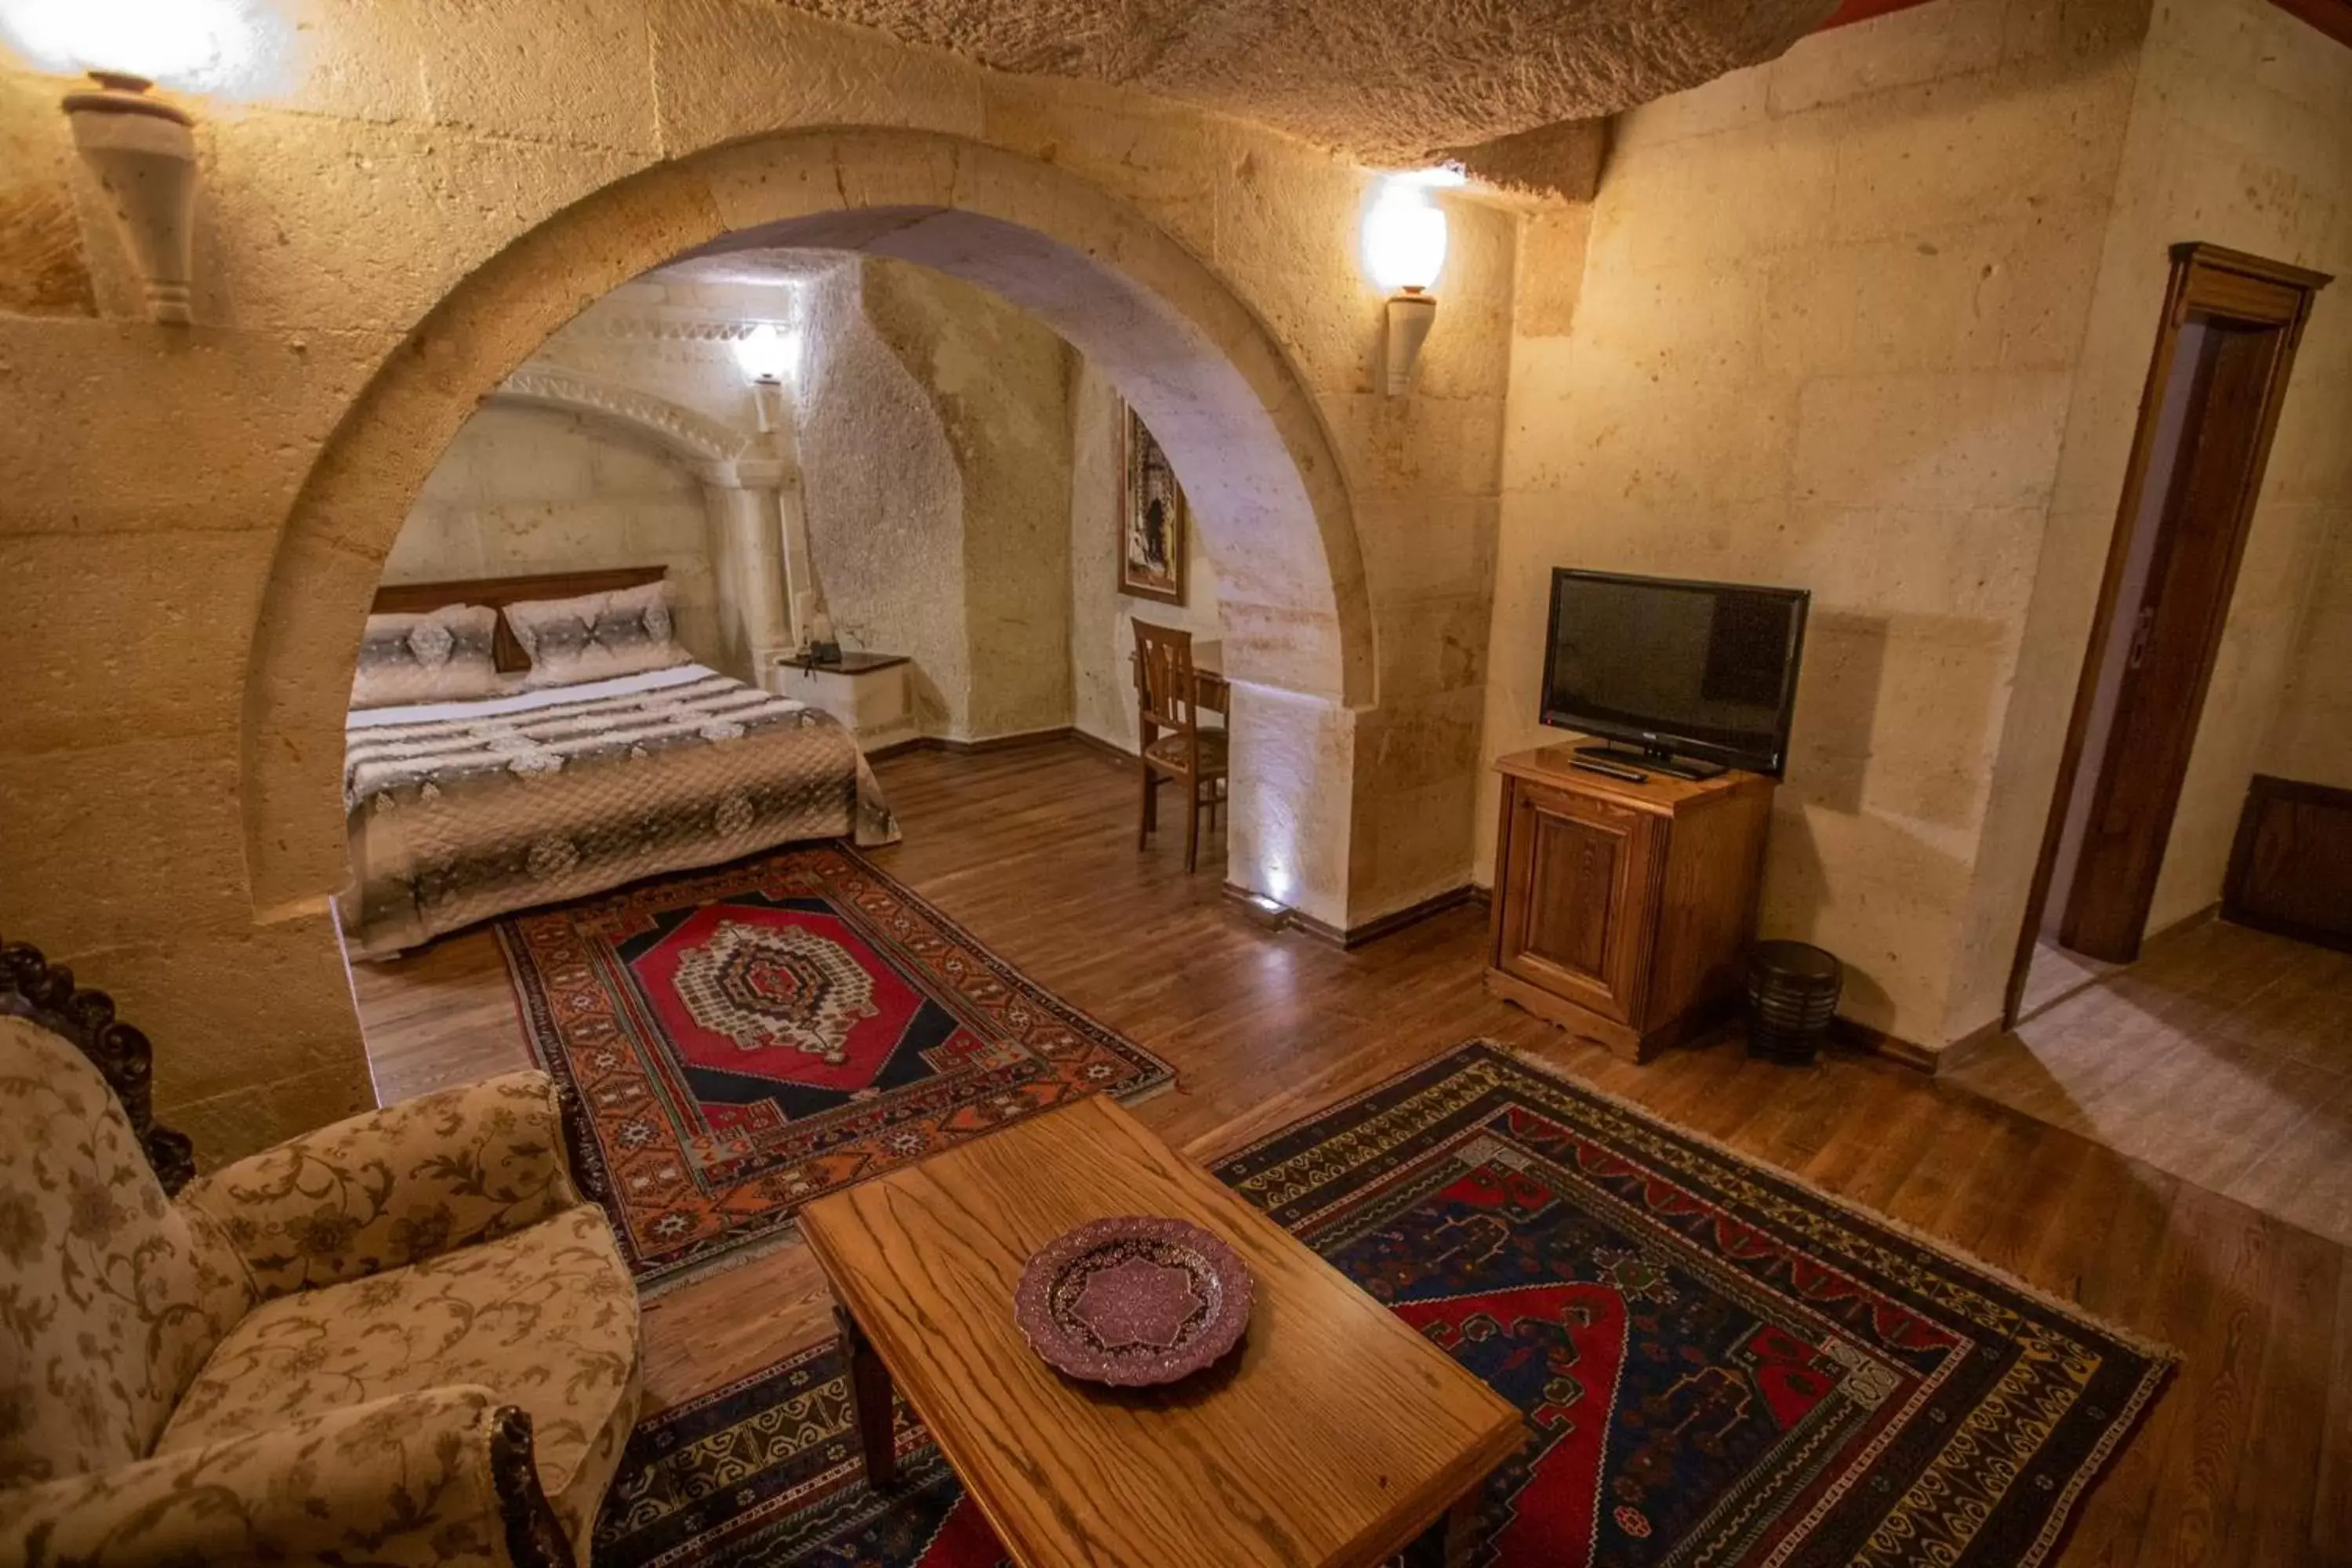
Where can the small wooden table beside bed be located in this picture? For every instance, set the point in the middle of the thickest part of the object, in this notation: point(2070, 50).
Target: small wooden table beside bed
point(522, 740)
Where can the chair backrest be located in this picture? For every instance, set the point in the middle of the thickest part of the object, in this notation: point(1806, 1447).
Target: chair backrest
point(1164, 677)
point(114, 1295)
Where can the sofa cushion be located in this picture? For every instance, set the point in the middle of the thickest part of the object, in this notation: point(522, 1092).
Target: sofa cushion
point(110, 1297)
point(394, 1186)
point(545, 1318)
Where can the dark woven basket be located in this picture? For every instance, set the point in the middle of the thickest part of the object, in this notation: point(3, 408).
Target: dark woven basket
point(1792, 995)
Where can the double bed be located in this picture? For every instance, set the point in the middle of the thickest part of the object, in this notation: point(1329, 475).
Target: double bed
point(460, 810)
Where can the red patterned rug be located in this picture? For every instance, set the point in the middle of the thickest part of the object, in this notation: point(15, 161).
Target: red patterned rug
point(1719, 1366)
point(748, 1038)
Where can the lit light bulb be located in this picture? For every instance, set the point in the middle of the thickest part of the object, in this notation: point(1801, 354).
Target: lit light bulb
point(1404, 235)
point(767, 355)
point(203, 46)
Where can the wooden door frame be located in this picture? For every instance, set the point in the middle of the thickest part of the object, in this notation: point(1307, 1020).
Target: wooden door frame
point(2207, 280)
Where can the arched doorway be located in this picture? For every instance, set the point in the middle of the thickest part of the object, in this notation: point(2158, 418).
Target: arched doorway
point(1201, 370)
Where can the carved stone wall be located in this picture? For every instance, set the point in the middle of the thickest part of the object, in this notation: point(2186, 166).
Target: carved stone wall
point(398, 220)
point(529, 488)
point(1831, 317)
point(601, 450)
point(2237, 136)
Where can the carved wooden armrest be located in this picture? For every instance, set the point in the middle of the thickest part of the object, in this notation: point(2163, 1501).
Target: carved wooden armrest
point(397, 1185)
point(445, 1476)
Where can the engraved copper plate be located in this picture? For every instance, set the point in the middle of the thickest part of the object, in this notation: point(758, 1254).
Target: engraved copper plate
point(1133, 1300)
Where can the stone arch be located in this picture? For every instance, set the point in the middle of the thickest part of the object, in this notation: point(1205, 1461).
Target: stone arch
point(1186, 352)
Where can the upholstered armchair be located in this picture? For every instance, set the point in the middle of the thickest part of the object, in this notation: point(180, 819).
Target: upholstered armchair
point(400, 1340)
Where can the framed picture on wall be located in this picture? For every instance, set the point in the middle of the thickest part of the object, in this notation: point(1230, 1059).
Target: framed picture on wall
point(1155, 526)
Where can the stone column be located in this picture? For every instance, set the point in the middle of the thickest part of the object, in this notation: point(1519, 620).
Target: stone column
point(800, 571)
point(754, 507)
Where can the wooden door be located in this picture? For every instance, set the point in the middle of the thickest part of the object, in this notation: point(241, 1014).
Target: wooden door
point(2259, 307)
point(2175, 635)
point(1578, 872)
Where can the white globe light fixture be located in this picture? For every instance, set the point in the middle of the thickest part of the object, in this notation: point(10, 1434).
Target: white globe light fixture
point(767, 355)
point(770, 358)
point(1404, 238)
point(202, 46)
point(1404, 251)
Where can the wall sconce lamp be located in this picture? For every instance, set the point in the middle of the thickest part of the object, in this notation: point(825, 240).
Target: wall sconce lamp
point(770, 358)
point(139, 147)
point(144, 154)
point(1404, 250)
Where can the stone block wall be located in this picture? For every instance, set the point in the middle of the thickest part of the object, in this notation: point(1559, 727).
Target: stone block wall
point(1826, 336)
point(170, 772)
point(2238, 136)
point(2313, 739)
point(2242, 134)
point(1869, 318)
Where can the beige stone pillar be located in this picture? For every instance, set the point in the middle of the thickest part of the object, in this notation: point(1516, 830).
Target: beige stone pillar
point(1287, 830)
point(800, 571)
point(747, 499)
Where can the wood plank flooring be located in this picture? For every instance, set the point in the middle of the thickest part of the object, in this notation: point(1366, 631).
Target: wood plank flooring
point(2247, 1460)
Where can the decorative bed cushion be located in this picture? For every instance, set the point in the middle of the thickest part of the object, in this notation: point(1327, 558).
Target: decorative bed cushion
point(442, 656)
point(596, 636)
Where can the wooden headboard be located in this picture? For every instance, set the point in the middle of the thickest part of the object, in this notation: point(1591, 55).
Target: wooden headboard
point(497, 593)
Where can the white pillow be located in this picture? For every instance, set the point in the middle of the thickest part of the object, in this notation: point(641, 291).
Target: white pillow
point(596, 636)
point(439, 656)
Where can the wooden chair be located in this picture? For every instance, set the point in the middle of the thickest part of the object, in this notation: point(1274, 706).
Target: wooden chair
point(1168, 693)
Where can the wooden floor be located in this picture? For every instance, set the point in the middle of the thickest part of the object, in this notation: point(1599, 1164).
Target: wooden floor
point(2223, 1056)
point(2247, 1460)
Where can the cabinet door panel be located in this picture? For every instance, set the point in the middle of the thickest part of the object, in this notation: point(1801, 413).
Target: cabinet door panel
point(1578, 873)
point(1571, 892)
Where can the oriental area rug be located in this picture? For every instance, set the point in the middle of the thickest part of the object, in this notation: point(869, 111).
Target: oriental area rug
point(747, 1038)
point(1718, 1364)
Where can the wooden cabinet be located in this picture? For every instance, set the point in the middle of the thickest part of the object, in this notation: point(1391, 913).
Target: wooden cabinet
point(1621, 910)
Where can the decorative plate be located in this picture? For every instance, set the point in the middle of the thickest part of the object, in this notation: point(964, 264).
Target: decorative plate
point(1133, 1301)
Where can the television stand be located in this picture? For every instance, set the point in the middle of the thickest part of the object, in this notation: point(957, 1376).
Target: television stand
point(1654, 759)
point(1623, 910)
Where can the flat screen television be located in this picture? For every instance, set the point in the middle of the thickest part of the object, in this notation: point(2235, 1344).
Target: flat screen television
point(1694, 676)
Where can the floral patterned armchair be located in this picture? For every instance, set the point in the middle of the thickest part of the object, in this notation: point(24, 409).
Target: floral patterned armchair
point(403, 1339)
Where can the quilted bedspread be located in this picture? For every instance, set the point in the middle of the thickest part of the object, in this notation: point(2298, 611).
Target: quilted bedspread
point(459, 811)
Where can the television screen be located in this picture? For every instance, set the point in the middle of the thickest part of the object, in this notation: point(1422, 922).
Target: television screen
point(1706, 671)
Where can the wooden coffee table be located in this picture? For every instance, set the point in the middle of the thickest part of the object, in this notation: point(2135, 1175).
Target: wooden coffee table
point(1335, 1435)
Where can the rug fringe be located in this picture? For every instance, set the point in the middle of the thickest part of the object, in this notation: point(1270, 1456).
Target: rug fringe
point(1149, 1091)
point(2155, 1349)
point(734, 1258)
